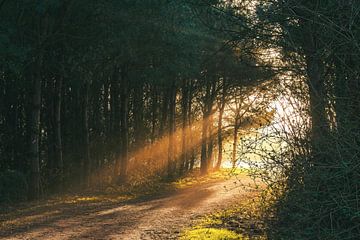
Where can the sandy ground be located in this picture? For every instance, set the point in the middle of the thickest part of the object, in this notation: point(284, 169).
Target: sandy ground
point(161, 217)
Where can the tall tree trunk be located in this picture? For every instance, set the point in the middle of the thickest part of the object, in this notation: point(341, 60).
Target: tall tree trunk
point(97, 123)
point(86, 140)
point(191, 159)
point(207, 141)
point(184, 107)
point(116, 120)
point(220, 130)
point(57, 131)
point(164, 120)
point(320, 125)
point(107, 124)
point(171, 147)
point(58, 102)
point(316, 83)
point(203, 160)
point(138, 111)
point(205, 128)
point(154, 112)
point(49, 102)
point(235, 142)
point(210, 148)
point(164, 112)
point(124, 103)
point(34, 123)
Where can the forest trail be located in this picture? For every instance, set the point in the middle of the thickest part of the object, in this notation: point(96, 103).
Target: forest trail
point(152, 218)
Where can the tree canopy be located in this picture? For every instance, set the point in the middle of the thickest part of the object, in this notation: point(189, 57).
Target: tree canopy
point(104, 92)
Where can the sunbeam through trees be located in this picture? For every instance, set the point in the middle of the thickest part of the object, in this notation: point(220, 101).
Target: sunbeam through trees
point(104, 94)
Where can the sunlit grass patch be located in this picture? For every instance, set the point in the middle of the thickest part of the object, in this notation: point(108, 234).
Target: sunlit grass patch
point(243, 221)
point(195, 177)
point(70, 200)
point(211, 234)
point(93, 198)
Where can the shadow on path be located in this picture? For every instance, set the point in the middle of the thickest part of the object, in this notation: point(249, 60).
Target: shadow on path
point(155, 217)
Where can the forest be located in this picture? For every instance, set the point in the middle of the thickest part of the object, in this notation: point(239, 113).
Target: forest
point(137, 94)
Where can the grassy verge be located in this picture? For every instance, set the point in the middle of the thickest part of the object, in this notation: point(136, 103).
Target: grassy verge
point(195, 177)
point(241, 222)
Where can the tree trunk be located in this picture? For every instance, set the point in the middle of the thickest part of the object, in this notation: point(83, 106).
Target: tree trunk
point(191, 159)
point(49, 102)
point(116, 121)
point(220, 126)
point(138, 111)
point(154, 112)
point(235, 142)
point(171, 147)
point(164, 121)
point(164, 112)
point(184, 107)
point(205, 128)
point(203, 160)
point(86, 140)
point(316, 84)
point(320, 125)
point(124, 103)
point(34, 122)
point(97, 123)
point(210, 155)
point(57, 131)
point(107, 123)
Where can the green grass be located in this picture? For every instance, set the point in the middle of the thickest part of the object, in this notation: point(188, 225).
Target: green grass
point(211, 234)
point(241, 222)
point(195, 177)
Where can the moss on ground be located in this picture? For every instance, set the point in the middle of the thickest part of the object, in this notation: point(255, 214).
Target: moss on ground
point(211, 234)
point(240, 222)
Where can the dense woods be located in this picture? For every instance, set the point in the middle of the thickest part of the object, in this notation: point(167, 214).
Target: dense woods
point(95, 92)
point(98, 93)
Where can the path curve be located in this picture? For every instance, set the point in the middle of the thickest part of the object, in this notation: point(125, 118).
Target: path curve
point(160, 218)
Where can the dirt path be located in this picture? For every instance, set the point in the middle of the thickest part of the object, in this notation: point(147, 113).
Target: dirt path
point(156, 218)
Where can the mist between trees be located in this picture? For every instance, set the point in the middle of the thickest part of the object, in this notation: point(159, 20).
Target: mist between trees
point(95, 93)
